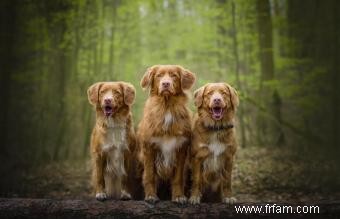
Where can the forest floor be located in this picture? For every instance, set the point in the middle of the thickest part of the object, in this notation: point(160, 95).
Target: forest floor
point(260, 175)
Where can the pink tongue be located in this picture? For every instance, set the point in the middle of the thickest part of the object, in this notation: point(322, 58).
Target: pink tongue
point(217, 113)
point(108, 111)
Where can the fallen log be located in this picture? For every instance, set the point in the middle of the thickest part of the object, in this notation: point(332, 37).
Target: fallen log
point(51, 208)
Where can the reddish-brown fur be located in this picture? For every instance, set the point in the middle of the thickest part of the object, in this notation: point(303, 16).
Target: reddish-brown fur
point(214, 141)
point(164, 133)
point(113, 138)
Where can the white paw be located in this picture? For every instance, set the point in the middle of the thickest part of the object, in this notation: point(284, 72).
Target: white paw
point(151, 199)
point(180, 199)
point(195, 200)
point(101, 196)
point(125, 195)
point(229, 200)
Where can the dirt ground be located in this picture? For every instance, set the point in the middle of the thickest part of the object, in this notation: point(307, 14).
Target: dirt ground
point(260, 175)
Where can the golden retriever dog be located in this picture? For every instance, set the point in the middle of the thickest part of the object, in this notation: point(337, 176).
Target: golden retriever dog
point(164, 133)
point(113, 138)
point(214, 141)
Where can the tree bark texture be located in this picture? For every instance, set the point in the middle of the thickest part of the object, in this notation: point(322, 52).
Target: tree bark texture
point(49, 208)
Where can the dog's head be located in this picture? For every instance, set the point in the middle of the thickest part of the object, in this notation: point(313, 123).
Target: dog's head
point(167, 80)
point(216, 99)
point(110, 97)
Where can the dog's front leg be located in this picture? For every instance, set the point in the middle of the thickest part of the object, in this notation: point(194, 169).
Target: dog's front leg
point(126, 179)
point(125, 194)
point(177, 182)
point(196, 193)
point(99, 182)
point(149, 178)
point(226, 181)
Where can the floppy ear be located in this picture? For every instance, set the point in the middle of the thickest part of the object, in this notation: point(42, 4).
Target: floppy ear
point(129, 93)
point(148, 77)
point(187, 79)
point(198, 95)
point(93, 93)
point(233, 97)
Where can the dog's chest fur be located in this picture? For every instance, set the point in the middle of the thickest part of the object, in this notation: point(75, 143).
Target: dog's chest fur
point(114, 144)
point(168, 146)
point(214, 162)
point(168, 120)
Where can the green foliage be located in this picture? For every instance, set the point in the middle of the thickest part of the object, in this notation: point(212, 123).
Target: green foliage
point(64, 46)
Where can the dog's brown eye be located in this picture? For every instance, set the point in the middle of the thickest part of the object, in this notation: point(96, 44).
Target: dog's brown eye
point(116, 92)
point(173, 76)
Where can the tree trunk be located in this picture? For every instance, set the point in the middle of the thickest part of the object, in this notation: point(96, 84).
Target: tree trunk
point(221, 36)
point(8, 30)
point(110, 72)
point(48, 208)
point(269, 96)
point(335, 78)
point(61, 66)
point(101, 37)
point(237, 73)
point(87, 119)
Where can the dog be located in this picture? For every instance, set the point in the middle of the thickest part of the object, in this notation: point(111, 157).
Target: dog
point(164, 132)
point(112, 139)
point(214, 141)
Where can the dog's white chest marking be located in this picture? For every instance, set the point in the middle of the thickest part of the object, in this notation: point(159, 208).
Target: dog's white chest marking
point(168, 147)
point(168, 120)
point(115, 143)
point(213, 162)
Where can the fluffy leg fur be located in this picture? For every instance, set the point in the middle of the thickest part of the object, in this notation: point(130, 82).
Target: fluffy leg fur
point(226, 182)
point(196, 193)
point(113, 185)
point(177, 182)
point(98, 177)
point(149, 178)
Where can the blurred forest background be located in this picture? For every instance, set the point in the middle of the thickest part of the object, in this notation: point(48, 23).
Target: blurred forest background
point(281, 55)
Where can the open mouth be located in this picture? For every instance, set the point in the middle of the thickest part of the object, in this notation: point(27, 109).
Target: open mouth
point(108, 110)
point(217, 112)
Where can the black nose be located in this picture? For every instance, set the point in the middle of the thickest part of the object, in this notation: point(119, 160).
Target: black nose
point(108, 100)
point(217, 100)
point(166, 84)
